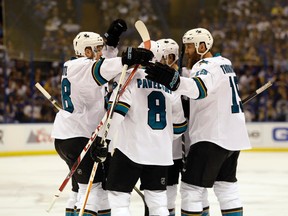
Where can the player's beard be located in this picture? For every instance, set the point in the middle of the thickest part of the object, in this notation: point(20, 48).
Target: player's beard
point(192, 59)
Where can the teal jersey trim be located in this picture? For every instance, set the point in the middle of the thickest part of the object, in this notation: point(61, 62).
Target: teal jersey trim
point(100, 80)
point(121, 108)
point(201, 86)
point(180, 128)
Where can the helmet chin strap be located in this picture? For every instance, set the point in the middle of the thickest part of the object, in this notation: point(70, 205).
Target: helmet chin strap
point(201, 54)
point(171, 63)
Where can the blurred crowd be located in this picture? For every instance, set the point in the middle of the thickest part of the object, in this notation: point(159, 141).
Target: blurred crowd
point(60, 26)
point(253, 34)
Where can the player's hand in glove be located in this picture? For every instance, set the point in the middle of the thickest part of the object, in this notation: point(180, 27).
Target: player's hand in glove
point(136, 56)
point(164, 75)
point(116, 28)
point(99, 150)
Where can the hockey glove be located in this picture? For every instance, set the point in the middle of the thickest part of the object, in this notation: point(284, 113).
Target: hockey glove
point(136, 56)
point(116, 28)
point(164, 75)
point(99, 150)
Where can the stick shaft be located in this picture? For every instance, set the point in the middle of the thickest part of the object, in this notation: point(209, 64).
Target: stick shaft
point(107, 127)
point(91, 179)
point(257, 92)
point(142, 30)
point(48, 96)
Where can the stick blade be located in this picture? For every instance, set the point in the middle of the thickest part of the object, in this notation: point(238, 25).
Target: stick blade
point(143, 31)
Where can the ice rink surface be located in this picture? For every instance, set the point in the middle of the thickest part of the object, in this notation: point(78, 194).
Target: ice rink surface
point(28, 183)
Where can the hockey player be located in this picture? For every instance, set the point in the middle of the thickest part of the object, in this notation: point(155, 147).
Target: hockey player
point(170, 58)
point(109, 51)
point(83, 107)
point(217, 127)
point(145, 118)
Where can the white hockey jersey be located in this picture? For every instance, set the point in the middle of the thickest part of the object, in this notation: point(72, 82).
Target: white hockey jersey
point(83, 96)
point(152, 114)
point(216, 112)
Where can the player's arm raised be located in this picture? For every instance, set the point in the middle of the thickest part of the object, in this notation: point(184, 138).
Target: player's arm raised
point(106, 69)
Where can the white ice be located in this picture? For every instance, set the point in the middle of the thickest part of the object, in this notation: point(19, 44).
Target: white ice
point(28, 184)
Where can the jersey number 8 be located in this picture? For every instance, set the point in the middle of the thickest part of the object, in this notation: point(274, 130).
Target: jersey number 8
point(157, 110)
point(66, 92)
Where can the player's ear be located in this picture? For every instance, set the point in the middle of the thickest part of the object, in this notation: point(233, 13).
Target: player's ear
point(202, 47)
point(89, 53)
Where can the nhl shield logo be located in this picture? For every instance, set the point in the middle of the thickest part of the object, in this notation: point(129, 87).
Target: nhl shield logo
point(79, 171)
point(163, 181)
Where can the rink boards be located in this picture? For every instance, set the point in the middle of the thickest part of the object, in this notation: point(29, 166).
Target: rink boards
point(30, 139)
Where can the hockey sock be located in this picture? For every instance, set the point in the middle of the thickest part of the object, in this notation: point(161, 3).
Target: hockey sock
point(69, 212)
point(205, 211)
point(232, 212)
point(190, 213)
point(171, 212)
point(106, 212)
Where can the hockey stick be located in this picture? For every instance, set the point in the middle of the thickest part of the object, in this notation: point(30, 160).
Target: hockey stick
point(107, 127)
point(48, 96)
point(257, 92)
point(145, 36)
point(79, 159)
point(142, 30)
point(180, 65)
point(82, 154)
point(146, 39)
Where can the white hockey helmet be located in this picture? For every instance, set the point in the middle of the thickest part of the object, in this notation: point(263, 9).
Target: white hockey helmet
point(198, 35)
point(162, 43)
point(171, 47)
point(86, 39)
point(157, 50)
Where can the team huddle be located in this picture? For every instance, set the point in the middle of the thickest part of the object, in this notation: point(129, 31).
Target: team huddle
point(171, 123)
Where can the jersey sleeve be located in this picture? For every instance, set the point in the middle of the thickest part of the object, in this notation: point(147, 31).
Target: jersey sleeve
point(109, 52)
point(106, 69)
point(199, 85)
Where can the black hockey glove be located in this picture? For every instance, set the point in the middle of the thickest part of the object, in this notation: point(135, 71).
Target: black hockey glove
point(164, 75)
point(116, 28)
point(136, 56)
point(99, 150)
